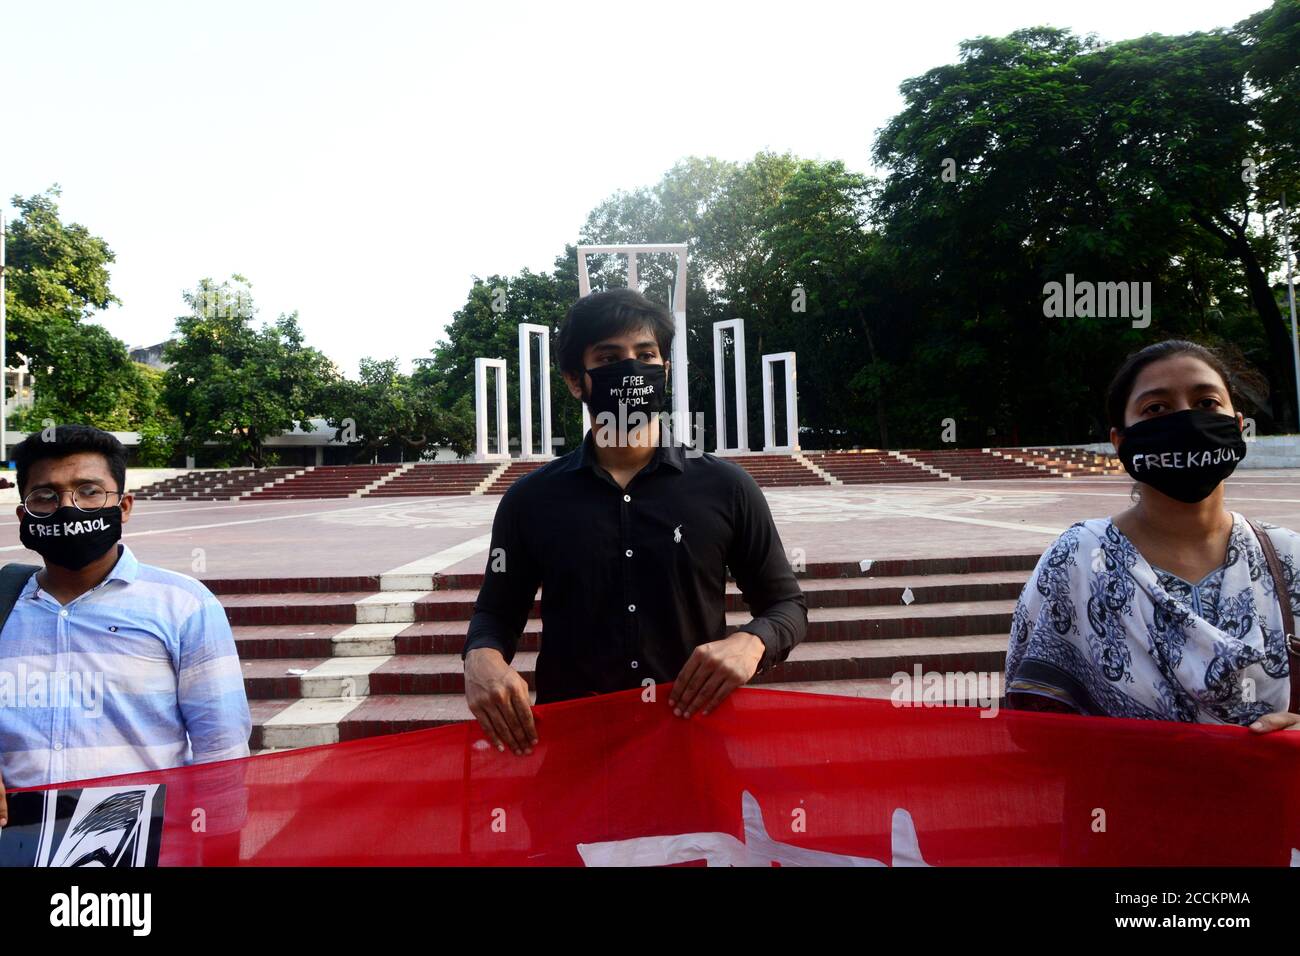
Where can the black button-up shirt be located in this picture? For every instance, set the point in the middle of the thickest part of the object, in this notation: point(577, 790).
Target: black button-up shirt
point(632, 579)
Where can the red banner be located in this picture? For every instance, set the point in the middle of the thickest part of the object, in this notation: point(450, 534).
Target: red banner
point(770, 778)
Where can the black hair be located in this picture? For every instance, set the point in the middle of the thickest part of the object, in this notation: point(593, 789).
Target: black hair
point(1121, 386)
point(70, 440)
point(605, 314)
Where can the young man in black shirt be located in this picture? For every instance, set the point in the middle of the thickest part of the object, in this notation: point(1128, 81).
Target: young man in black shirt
point(630, 537)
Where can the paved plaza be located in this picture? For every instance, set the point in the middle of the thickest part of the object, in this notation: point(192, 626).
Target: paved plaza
point(343, 537)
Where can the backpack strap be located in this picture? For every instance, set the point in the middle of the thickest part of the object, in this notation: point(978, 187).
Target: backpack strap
point(1283, 603)
point(13, 578)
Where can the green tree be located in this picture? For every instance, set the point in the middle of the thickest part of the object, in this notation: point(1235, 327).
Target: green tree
point(1112, 163)
point(56, 279)
point(160, 438)
point(386, 408)
point(827, 301)
point(487, 326)
point(1270, 39)
point(717, 208)
point(81, 373)
point(235, 384)
point(54, 270)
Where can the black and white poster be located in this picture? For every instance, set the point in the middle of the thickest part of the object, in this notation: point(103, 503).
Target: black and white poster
point(87, 827)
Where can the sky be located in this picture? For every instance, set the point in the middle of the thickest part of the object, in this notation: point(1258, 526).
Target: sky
point(361, 162)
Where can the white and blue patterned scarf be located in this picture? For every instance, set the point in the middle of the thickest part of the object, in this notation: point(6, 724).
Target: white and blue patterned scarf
point(1098, 629)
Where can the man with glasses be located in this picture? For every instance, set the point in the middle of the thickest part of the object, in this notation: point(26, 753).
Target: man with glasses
point(107, 665)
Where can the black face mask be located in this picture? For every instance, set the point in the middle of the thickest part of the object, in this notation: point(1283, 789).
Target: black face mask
point(632, 383)
point(71, 538)
point(1185, 454)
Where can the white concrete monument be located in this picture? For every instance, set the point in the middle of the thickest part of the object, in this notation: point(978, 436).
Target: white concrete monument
point(791, 406)
point(681, 397)
point(481, 453)
point(526, 390)
point(737, 327)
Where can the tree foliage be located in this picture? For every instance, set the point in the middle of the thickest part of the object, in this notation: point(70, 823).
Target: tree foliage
point(385, 409)
point(234, 383)
point(57, 280)
point(911, 300)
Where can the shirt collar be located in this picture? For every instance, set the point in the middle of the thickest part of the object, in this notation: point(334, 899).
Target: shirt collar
point(125, 570)
point(585, 456)
point(127, 567)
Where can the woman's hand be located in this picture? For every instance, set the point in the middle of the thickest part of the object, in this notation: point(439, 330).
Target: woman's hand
point(1282, 720)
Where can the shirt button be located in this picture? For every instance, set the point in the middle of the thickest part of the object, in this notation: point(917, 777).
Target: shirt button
point(631, 607)
point(63, 613)
point(628, 552)
point(58, 746)
point(627, 497)
point(634, 665)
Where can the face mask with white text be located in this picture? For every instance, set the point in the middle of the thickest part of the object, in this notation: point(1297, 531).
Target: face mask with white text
point(1185, 455)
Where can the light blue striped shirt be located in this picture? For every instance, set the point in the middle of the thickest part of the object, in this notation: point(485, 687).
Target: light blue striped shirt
point(139, 673)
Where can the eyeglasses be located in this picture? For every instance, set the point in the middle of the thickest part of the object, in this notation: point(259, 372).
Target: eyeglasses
point(43, 502)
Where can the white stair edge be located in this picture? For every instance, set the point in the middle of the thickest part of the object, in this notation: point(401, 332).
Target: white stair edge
point(413, 581)
point(388, 607)
point(822, 473)
point(487, 482)
point(367, 640)
point(1029, 464)
point(922, 465)
point(308, 722)
point(385, 479)
point(269, 484)
point(344, 677)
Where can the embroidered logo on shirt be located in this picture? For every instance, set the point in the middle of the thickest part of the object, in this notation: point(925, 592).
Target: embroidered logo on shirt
point(677, 535)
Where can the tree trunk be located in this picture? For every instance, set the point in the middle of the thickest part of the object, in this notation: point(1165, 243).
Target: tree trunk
point(1281, 371)
point(875, 362)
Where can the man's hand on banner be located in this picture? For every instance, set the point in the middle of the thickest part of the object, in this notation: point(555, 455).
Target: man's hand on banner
point(498, 699)
point(714, 671)
point(1282, 720)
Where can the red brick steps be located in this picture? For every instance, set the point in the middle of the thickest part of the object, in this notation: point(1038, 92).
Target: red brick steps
point(336, 481)
point(323, 665)
point(515, 471)
point(218, 484)
point(777, 471)
point(435, 478)
point(869, 467)
point(970, 464)
point(770, 471)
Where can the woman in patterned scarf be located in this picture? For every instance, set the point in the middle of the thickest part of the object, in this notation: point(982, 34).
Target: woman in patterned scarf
point(1167, 610)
